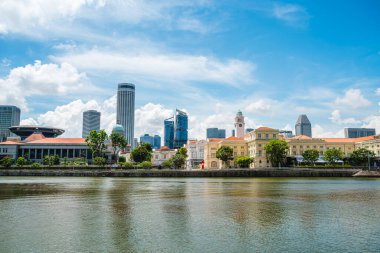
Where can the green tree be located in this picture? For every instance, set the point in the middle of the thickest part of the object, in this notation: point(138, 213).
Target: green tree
point(147, 146)
point(36, 165)
point(244, 161)
point(21, 161)
point(96, 142)
point(178, 161)
point(182, 151)
point(141, 153)
point(167, 164)
point(118, 142)
point(225, 154)
point(100, 161)
point(128, 166)
point(7, 162)
point(276, 151)
point(333, 155)
point(146, 165)
point(361, 156)
point(310, 156)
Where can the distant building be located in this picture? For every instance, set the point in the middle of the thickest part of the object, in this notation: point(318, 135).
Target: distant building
point(125, 110)
point(233, 132)
point(239, 125)
point(162, 154)
point(303, 126)
point(359, 132)
point(195, 152)
point(146, 138)
point(169, 133)
point(222, 133)
point(25, 131)
point(212, 132)
point(287, 133)
point(180, 128)
point(91, 121)
point(249, 130)
point(135, 142)
point(9, 116)
point(156, 141)
point(118, 129)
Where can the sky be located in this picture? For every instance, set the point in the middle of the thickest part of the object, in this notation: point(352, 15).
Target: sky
point(273, 60)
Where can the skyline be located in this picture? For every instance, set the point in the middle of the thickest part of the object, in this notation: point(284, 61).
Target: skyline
point(275, 60)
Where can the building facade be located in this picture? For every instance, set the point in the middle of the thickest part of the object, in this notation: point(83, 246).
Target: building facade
point(303, 126)
point(169, 133)
point(358, 132)
point(212, 132)
point(9, 116)
point(91, 121)
point(180, 128)
point(195, 153)
point(222, 133)
point(162, 154)
point(156, 141)
point(125, 111)
point(239, 125)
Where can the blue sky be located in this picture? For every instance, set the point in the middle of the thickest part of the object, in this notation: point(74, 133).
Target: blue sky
point(271, 59)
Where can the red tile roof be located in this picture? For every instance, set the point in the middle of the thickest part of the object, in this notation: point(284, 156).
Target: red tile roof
point(9, 143)
point(34, 137)
point(215, 139)
point(301, 137)
point(264, 128)
point(164, 148)
point(59, 141)
point(233, 138)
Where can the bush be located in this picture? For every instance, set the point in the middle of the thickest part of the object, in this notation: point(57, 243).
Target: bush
point(7, 162)
point(244, 161)
point(146, 165)
point(79, 161)
point(178, 161)
point(122, 159)
point(21, 162)
point(128, 166)
point(167, 164)
point(36, 165)
point(101, 161)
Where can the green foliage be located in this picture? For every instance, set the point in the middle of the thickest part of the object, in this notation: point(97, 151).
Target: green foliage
point(276, 151)
point(122, 159)
point(101, 161)
point(167, 164)
point(361, 156)
point(244, 161)
point(65, 161)
point(310, 156)
point(51, 160)
point(118, 142)
point(36, 165)
point(146, 165)
point(147, 146)
point(128, 166)
point(225, 154)
point(182, 151)
point(96, 141)
point(21, 161)
point(178, 161)
point(141, 153)
point(333, 155)
point(7, 162)
point(79, 161)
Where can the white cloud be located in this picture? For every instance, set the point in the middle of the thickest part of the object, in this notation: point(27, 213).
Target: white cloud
point(372, 122)
point(261, 106)
point(163, 67)
point(40, 79)
point(378, 91)
point(292, 14)
point(149, 119)
point(337, 118)
point(320, 132)
point(353, 98)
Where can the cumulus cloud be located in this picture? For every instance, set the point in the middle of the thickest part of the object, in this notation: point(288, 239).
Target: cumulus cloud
point(372, 121)
point(292, 14)
point(337, 118)
point(320, 132)
point(261, 106)
point(150, 119)
point(40, 79)
point(353, 98)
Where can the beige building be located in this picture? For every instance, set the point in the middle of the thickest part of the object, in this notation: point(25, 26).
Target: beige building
point(162, 154)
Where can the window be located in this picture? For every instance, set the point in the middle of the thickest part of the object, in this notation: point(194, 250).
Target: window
point(320, 146)
point(266, 136)
point(214, 164)
point(258, 136)
point(235, 146)
point(274, 136)
point(294, 146)
point(213, 155)
point(315, 146)
point(242, 153)
point(301, 146)
point(235, 153)
point(259, 145)
point(307, 146)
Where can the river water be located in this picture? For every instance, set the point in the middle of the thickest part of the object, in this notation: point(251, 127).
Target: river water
point(42, 214)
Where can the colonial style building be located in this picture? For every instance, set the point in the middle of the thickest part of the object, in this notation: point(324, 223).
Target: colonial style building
point(195, 152)
point(162, 154)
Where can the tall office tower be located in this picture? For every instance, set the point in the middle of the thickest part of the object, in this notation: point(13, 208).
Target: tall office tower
point(135, 142)
point(91, 121)
point(212, 133)
point(180, 128)
point(358, 132)
point(125, 111)
point(9, 116)
point(233, 132)
point(169, 133)
point(303, 126)
point(249, 130)
point(222, 133)
point(239, 124)
point(156, 141)
point(146, 138)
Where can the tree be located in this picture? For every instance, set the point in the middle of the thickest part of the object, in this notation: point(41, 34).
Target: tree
point(7, 162)
point(21, 161)
point(118, 142)
point(167, 164)
point(361, 156)
point(147, 146)
point(333, 155)
point(178, 161)
point(182, 151)
point(310, 156)
point(50, 160)
point(100, 161)
point(96, 141)
point(276, 151)
point(244, 161)
point(146, 165)
point(141, 153)
point(225, 154)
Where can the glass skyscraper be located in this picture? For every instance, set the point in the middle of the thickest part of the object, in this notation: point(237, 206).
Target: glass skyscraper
point(358, 132)
point(9, 116)
point(156, 141)
point(91, 121)
point(180, 128)
point(303, 126)
point(169, 133)
point(215, 133)
point(125, 111)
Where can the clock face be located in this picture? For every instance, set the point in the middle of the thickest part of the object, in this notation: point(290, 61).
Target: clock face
point(240, 125)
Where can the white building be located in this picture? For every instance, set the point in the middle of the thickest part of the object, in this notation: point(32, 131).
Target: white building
point(162, 154)
point(195, 152)
point(239, 125)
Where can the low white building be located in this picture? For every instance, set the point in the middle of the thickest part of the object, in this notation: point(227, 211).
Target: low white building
point(162, 154)
point(195, 152)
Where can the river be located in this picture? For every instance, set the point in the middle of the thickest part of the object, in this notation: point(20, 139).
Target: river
point(60, 214)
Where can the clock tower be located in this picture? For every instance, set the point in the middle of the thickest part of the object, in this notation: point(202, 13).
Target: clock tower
point(239, 125)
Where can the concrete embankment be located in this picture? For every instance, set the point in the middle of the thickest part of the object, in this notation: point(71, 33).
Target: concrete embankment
point(366, 173)
point(268, 172)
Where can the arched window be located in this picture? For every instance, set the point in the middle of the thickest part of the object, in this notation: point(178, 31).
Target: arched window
point(214, 164)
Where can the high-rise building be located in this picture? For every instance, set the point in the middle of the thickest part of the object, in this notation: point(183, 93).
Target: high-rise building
point(248, 130)
point(212, 133)
point(239, 125)
point(358, 132)
point(180, 128)
point(169, 133)
point(156, 141)
point(303, 126)
point(146, 138)
point(9, 116)
point(91, 121)
point(233, 132)
point(222, 133)
point(125, 111)
point(286, 133)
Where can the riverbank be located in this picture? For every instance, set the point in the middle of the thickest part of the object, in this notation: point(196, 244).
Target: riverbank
point(268, 172)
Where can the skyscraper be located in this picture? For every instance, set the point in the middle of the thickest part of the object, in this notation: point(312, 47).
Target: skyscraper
point(146, 138)
point(125, 111)
point(91, 121)
point(221, 133)
point(303, 126)
point(9, 116)
point(156, 141)
point(180, 128)
point(239, 124)
point(169, 133)
point(212, 133)
point(358, 132)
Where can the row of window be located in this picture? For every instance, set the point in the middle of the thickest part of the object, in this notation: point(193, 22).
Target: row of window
point(259, 136)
